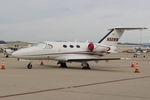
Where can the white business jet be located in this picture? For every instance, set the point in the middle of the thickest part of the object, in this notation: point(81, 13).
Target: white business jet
point(74, 51)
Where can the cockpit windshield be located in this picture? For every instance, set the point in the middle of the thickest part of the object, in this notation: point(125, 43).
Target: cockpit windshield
point(44, 45)
point(41, 45)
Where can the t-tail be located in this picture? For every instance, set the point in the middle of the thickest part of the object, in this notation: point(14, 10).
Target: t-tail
point(112, 38)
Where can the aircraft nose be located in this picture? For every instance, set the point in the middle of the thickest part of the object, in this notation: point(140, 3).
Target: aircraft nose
point(23, 53)
point(16, 54)
point(19, 53)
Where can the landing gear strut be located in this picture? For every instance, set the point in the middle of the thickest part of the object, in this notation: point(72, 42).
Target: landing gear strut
point(62, 64)
point(85, 65)
point(29, 66)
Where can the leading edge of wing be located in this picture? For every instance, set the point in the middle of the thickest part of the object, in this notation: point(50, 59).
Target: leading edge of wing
point(96, 59)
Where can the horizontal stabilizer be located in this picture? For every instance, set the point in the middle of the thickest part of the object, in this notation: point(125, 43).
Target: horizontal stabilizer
point(136, 28)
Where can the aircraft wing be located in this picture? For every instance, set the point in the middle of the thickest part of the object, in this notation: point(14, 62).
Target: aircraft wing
point(95, 59)
point(80, 58)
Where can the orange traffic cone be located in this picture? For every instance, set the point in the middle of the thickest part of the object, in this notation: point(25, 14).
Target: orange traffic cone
point(137, 69)
point(42, 63)
point(132, 64)
point(3, 66)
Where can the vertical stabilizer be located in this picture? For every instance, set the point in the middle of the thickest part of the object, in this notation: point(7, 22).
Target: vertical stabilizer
point(114, 35)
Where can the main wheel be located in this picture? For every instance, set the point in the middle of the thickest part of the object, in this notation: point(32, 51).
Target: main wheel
point(85, 66)
point(62, 64)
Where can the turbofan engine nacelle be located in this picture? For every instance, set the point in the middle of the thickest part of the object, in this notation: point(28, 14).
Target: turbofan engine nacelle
point(91, 46)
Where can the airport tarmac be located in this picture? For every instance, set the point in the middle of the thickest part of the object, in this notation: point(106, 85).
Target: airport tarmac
point(113, 80)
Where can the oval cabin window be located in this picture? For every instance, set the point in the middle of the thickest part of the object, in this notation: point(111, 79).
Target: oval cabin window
point(77, 46)
point(71, 46)
point(65, 46)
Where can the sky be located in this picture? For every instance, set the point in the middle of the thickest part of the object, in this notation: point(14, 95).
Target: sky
point(72, 20)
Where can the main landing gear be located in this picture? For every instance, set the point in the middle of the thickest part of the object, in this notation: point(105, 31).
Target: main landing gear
point(29, 66)
point(85, 65)
point(62, 64)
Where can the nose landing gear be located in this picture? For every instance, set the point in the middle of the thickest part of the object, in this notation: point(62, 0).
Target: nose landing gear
point(29, 66)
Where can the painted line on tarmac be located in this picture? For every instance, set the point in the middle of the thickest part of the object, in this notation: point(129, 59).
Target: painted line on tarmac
point(71, 87)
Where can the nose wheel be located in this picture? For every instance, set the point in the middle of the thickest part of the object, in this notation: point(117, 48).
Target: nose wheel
point(29, 66)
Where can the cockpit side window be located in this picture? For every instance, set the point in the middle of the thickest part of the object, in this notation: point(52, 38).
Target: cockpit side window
point(49, 46)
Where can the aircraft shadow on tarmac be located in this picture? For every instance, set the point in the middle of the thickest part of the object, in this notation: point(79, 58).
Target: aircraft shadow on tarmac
point(95, 68)
point(105, 68)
